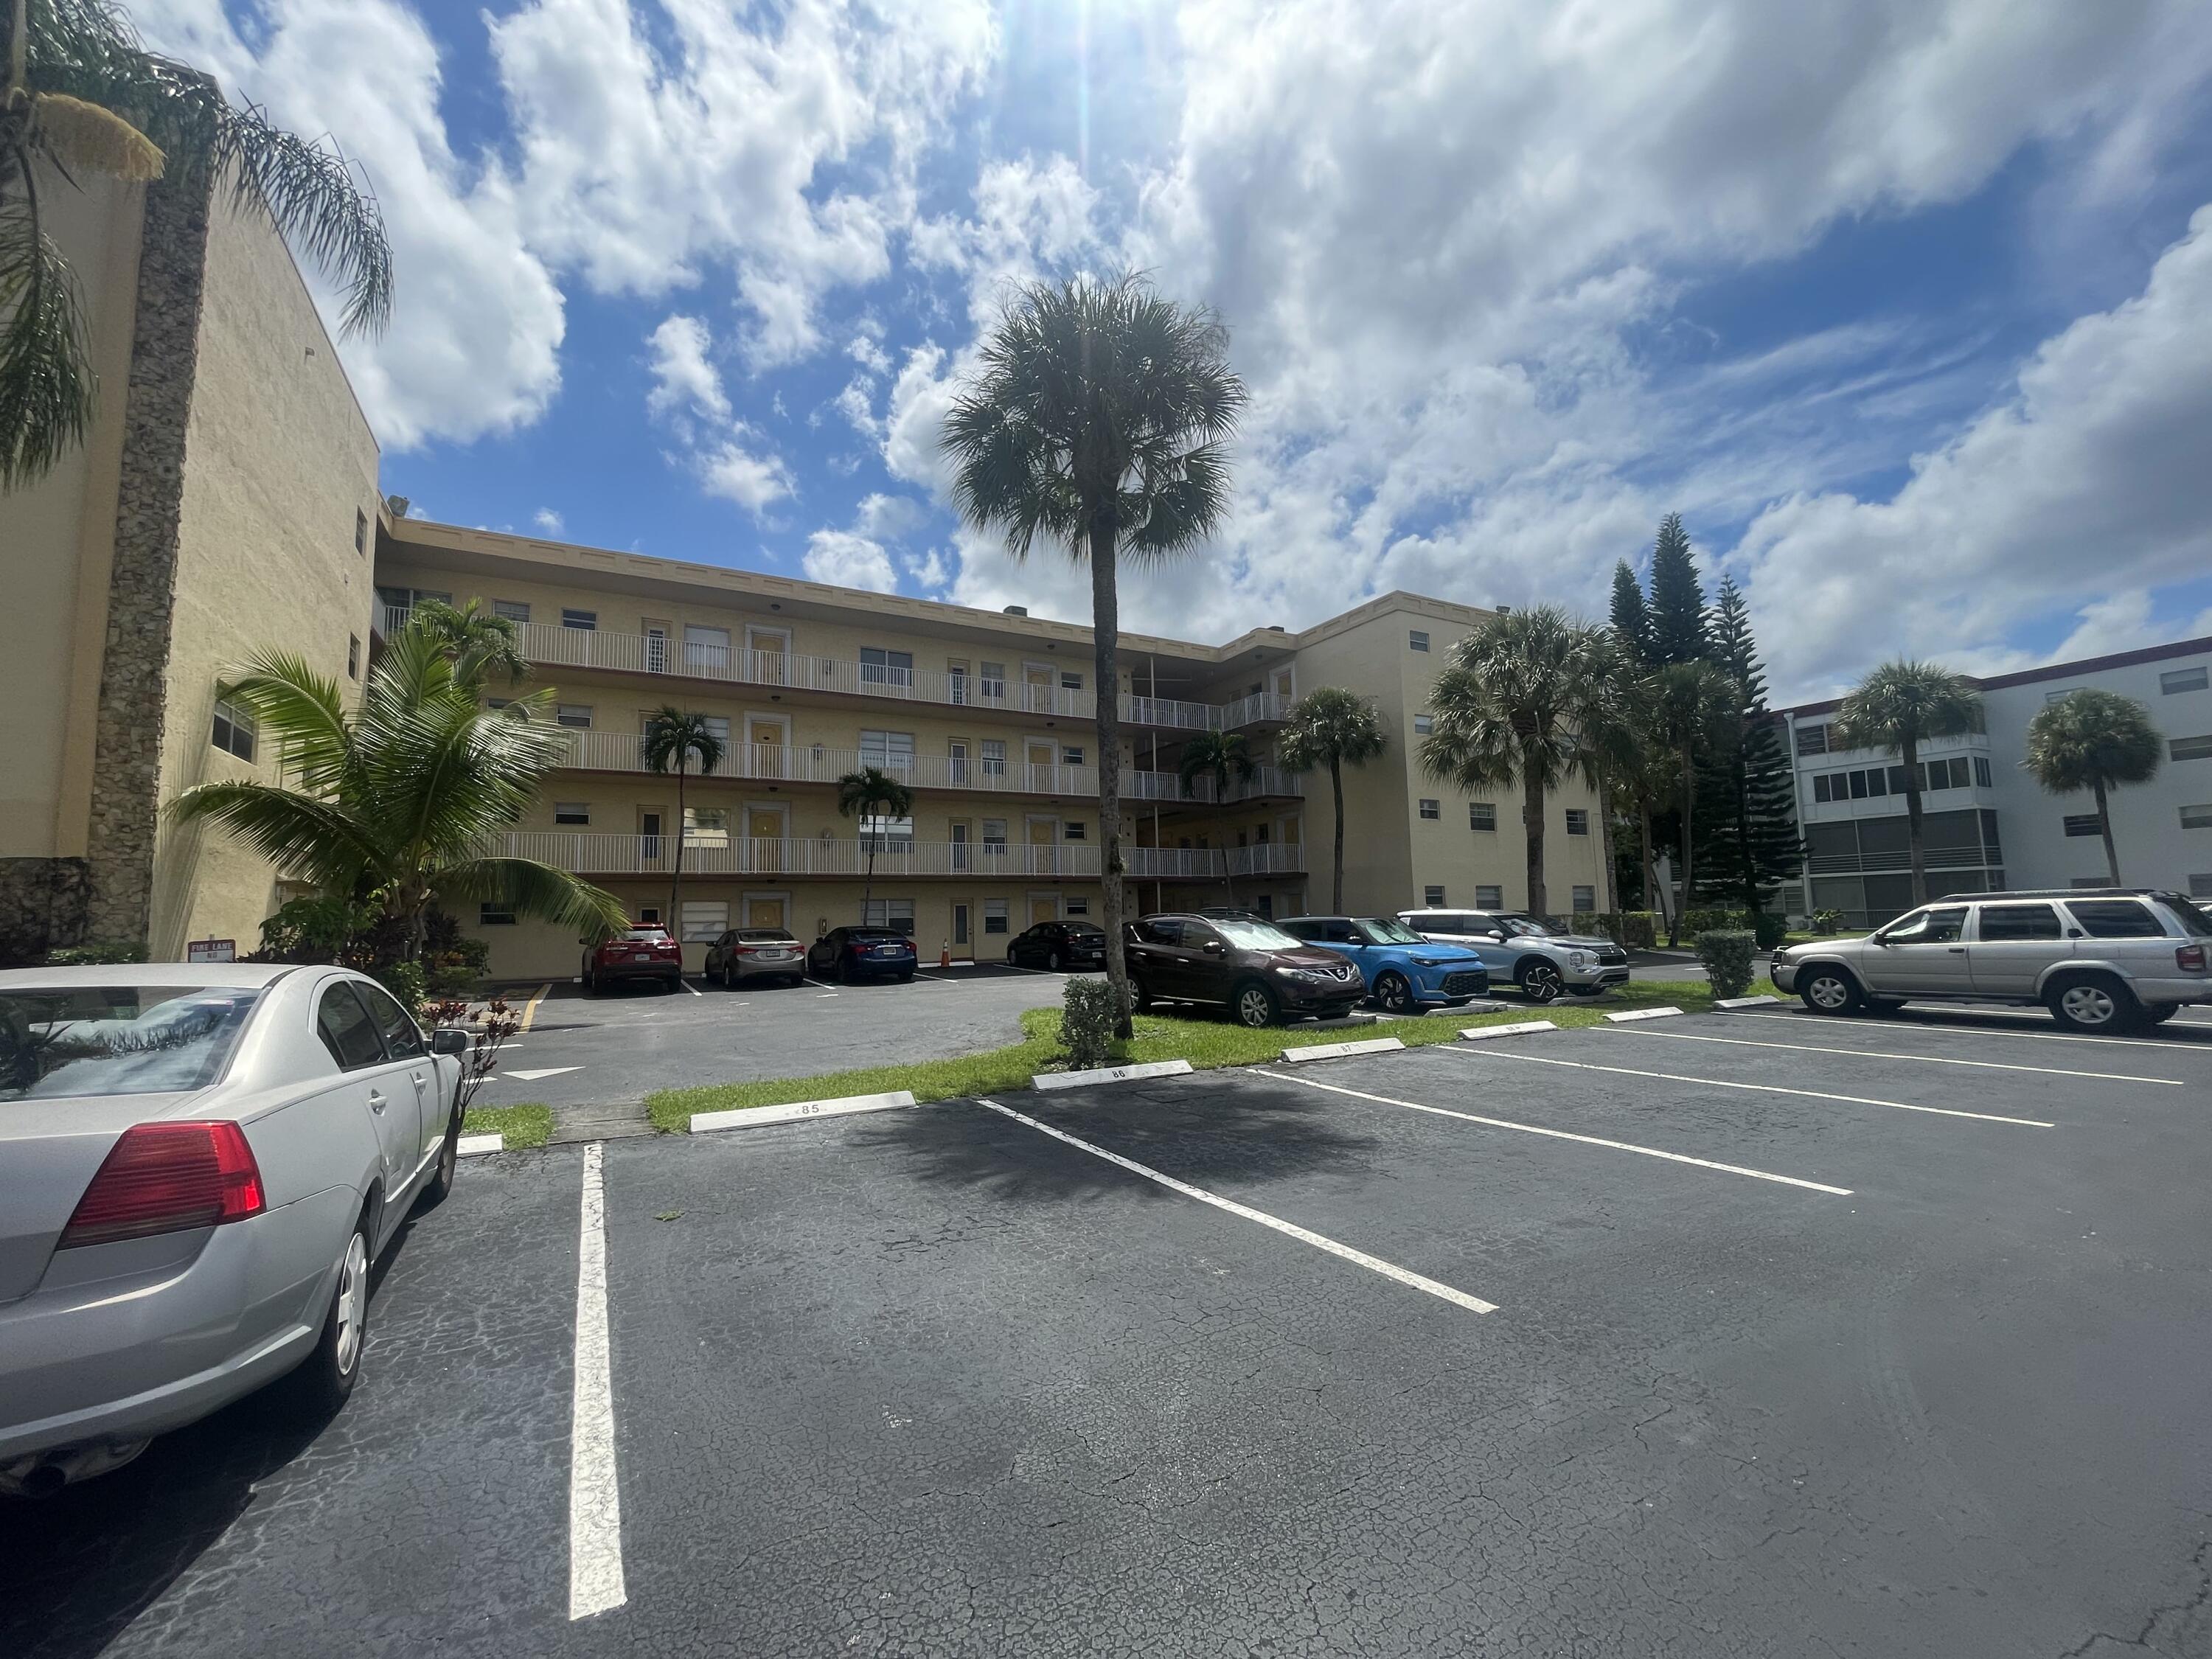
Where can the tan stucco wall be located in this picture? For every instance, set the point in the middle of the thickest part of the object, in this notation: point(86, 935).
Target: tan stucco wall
point(57, 538)
point(279, 459)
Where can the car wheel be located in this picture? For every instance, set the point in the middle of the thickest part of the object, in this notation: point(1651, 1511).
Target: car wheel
point(591, 983)
point(325, 1378)
point(1254, 1005)
point(1540, 982)
point(1011, 963)
point(907, 978)
point(1830, 991)
point(440, 1182)
point(1141, 995)
point(2157, 1013)
point(1054, 961)
point(1394, 994)
point(2092, 1003)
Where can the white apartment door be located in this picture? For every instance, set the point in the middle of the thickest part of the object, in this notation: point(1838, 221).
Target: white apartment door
point(656, 647)
point(963, 930)
point(649, 838)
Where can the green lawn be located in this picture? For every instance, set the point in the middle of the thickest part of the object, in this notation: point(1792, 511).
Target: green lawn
point(524, 1125)
point(1205, 1042)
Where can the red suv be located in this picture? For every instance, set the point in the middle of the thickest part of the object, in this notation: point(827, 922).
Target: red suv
point(1251, 967)
point(644, 951)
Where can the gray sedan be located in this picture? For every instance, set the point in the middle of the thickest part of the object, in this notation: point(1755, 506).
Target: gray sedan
point(198, 1166)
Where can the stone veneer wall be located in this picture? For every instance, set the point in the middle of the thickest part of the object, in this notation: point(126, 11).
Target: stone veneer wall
point(134, 673)
point(42, 906)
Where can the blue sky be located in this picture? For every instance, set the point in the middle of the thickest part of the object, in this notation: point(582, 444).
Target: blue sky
point(1898, 301)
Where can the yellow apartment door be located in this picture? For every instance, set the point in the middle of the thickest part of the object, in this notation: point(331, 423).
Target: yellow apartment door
point(1043, 909)
point(1282, 682)
point(1038, 681)
point(768, 659)
point(1039, 753)
point(1041, 832)
point(765, 913)
point(764, 828)
point(766, 738)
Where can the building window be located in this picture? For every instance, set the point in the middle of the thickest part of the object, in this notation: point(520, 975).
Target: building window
point(893, 913)
point(890, 834)
point(882, 667)
point(353, 656)
point(2084, 823)
point(571, 812)
point(1431, 809)
point(992, 677)
point(1071, 756)
point(1070, 682)
point(994, 758)
point(1072, 830)
point(1585, 900)
point(1416, 640)
point(583, 621)
point(1812, 740)
point(705, 920)
point(994, 838)
point(2200, 886)
point(1424, 724)
point(1982, 770)
point(1489, 898)
point(576, 715)
point(2190, 747)
point(1433, 896)
point(1482, 815)
point(235, 729)
point(892, 752)
point(707, 826)
point(1577, 820)
point(994, 916)
point(2049, 697)
point(1079, 906)
point(2184, 679)
point(514, 610)
point(2196, 818)
point(495, 912)
point(361, 545)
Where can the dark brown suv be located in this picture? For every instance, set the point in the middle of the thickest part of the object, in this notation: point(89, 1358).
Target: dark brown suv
point(1252, 968)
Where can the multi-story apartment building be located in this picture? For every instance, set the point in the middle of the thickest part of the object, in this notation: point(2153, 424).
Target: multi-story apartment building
point(985, 716)
point(1988, 824)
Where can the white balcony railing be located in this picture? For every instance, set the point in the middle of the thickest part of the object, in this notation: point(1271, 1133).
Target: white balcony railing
point(553, 646)
point(712, 853)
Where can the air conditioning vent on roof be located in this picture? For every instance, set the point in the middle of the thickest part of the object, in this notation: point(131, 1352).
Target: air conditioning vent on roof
point(1017, 610)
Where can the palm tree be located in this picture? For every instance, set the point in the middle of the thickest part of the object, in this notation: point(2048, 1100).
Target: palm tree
point(82, 96)
point(1616, 738)
point(1512, 706)
point(1221, 756)
point(1897, 707)
point(2098, 741)
point(1691, 704)
point(672, 740)
point(1098, 419)
point(872, 793)
point(481, 642)
point(1333, 727)
point(393, 803)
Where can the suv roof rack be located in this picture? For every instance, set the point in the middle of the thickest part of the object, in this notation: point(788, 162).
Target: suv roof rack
point(2061, 893)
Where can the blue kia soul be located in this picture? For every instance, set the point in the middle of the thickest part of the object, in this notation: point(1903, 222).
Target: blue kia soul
point(1405, 973)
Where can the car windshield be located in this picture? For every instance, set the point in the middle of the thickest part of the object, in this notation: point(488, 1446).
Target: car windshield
point(1084, 930)
point(766, 936)
point(1377, 930)
point(1523, 926)
point(643, 935)
point(875, 936)
point(1250, 935)
point(117, 1039)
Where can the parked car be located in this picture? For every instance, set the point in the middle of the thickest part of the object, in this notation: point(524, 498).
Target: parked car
point(1522, 948)
point(1254, 969)
point(1404, 973)
point(644, 951)
point(854, 953)
point(745, 953)
point(198, 1166)
point(2100, 960)
point(1058, 944)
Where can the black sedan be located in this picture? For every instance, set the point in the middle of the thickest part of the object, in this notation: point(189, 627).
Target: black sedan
point(851, 953)
point(1058, 944)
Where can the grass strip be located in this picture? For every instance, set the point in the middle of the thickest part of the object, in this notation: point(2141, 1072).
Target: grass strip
point(1206, 1042)
point(524, 1125)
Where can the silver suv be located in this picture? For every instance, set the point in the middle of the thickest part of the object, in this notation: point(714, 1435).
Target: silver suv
point(1524, 951)
point(2100, 960)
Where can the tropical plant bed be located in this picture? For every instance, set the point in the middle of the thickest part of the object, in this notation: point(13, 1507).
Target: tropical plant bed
point(1205, 1042)
point(524, 1125)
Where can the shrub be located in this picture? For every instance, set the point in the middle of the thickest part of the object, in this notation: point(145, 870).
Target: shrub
point(1827, 922)
point(1632, 929)
point(1726, 953)
point(95, 955)
point(1086, 1024)
point(1705, 921)
point(1771, 930)
point(405, 980)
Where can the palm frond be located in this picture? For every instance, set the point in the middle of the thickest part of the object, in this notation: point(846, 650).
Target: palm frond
point(318, 840)
point(302, 709)
point(533, 888)
point(46, 383)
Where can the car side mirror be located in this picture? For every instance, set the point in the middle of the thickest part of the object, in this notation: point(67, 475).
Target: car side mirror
point(1214, 947)
point(1496, 936)
point(449, 1040)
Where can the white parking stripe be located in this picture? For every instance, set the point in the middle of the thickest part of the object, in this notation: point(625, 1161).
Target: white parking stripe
point(1925, 1059)
point(689, 986)
point(595, 1564)
point(1983, 1031)
point(1754, 1088)
point(1373, 1264)
point(1565, 1135)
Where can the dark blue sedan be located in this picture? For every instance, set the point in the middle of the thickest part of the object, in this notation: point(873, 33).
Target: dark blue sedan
point(852, 953)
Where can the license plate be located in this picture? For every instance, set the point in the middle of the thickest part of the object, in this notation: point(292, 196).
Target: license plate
point(775, 956)
point(641, 956)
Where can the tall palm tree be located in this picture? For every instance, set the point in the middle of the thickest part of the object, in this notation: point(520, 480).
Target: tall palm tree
point(1098, 419)
point(81, 96)
point(1896, 709)
point(1690, 705)
point(393, 802)
point(672, 740)
point(872, 793)
point(482, 643)
point(1333, 727)
point(1221, 756)
point(2098, 741)
point(1512, 706)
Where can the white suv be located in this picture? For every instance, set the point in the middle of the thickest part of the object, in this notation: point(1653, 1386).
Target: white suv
point(2100, 960)
point(1519, 949)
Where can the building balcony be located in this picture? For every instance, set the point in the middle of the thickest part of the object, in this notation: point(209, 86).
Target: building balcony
point(710, 854)
point(550, 647)
point(777, 762)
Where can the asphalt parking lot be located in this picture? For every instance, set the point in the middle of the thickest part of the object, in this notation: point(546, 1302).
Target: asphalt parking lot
point(1759, 1334)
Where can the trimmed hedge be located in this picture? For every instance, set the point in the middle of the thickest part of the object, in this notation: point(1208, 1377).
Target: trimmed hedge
point(1086, 1024)
point(1728, 954)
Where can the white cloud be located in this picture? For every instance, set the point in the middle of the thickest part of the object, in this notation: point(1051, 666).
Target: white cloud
point(866, 350)
point(548, 521)
point(849, 561)
point(684, 380)
point(754, 481)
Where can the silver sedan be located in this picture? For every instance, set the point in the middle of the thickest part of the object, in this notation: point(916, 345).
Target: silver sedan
point(198, 1166)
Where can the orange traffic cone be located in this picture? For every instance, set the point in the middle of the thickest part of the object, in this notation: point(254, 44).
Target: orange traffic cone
point(945, 954)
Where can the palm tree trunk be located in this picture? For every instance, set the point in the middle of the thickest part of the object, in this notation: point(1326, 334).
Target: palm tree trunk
point(1915, 854)
point(1605, 848)
point(1532, 826)
point(868, 884)
point(1689, 803)
point(1228, 875)
point(1105, 656)
point(2105, 829)
point(1336, 784)
point(676, 880)
point(19, 36)
point(1652, 899)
